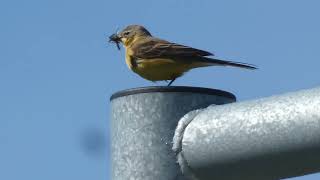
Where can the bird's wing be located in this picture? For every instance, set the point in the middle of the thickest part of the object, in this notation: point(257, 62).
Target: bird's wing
point(157, 48)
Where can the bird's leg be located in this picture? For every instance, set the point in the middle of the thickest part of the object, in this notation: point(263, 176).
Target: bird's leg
point(171, 81)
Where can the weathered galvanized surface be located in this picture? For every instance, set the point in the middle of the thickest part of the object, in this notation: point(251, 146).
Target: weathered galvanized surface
point(270, 138)
point(143, 124)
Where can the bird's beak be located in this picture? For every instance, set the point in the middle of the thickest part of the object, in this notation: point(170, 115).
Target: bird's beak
point(115, 38)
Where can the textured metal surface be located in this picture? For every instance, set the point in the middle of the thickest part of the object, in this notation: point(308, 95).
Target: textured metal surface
point(189, 89)
point(270, 138)
point(143, 125)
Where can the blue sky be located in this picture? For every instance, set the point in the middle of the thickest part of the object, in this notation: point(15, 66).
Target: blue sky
point(57, 70)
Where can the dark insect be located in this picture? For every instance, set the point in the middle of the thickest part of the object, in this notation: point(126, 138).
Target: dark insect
point(114, 38)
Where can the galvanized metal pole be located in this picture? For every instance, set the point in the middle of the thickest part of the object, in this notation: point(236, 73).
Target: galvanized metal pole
point(143, 123)
point(269, 138)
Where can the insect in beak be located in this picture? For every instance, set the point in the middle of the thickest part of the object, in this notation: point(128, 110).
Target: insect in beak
point(114, 38)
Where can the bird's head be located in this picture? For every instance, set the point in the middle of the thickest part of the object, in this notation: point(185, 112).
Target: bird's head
point(129, 34)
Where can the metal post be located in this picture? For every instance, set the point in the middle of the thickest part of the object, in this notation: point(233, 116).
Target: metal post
point(143, 123)
point(269, 138)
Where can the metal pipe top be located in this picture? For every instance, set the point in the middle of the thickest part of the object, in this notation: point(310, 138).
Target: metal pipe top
point(152, 89)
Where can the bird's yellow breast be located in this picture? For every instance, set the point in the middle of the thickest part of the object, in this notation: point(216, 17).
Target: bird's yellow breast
point(159, 69)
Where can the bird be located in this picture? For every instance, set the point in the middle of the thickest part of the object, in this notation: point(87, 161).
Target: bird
point(155, 59)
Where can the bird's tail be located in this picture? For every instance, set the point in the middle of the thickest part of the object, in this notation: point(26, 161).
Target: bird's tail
point(205, 61)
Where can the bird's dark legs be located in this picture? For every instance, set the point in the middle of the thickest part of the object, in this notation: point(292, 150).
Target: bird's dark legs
point(171, 81)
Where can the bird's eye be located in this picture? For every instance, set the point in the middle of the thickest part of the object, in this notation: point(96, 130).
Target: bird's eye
point(126, 33)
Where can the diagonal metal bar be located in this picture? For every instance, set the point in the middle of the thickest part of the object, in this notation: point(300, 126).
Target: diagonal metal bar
point(269, 138)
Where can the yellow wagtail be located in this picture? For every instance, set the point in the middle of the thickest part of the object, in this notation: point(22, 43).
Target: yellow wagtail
point(156, 59)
